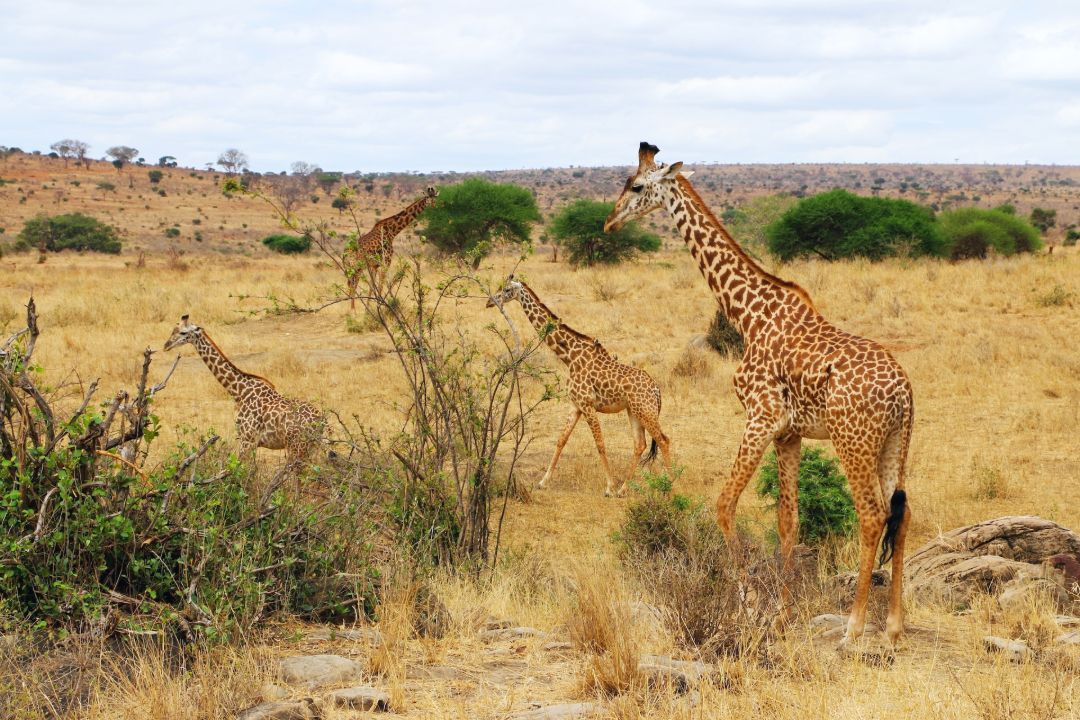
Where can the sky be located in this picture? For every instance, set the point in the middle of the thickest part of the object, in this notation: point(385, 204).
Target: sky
point(397, 85)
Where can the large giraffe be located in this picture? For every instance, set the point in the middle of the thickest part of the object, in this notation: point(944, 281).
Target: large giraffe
point(598, 383)
point(264, 417)
point(800, 377)
point(374, 250)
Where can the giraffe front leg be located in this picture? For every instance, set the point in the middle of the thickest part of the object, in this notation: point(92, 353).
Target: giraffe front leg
point(759, 432)
point(598, 436)
point(570, 424)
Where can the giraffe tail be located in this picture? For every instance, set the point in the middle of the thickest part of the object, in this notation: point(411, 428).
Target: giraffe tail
point(649, 456)
point(897, 506)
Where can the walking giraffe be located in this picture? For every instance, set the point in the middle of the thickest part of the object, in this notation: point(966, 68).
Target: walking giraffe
point(598, 383)
point(800, 377)
point(374, 250)
point(264, 417)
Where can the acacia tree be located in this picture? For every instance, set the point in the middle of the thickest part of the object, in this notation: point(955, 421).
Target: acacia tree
point(232, 160)
point(121, 154)
point(68, 149)
point(1043, 219)
point(471, 217)
point(579, 227)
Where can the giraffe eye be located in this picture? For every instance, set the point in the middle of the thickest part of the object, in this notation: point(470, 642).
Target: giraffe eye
point(637, 188)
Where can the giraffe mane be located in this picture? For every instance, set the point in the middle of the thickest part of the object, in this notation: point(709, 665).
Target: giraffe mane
point(558, 320)
point(222, 354)
point(707, 211)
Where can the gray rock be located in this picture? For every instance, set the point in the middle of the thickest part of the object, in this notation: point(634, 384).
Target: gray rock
point(828, 620)
point(1067, 621)
point(435, 672)
point(361, 698)
point(316, 670)
point(681, 675)
point(986, 557)
point(565, 711)
point(510, 633)
point(305, 709)
point(1069, 638)
point(1016, 650)
point(371, 636)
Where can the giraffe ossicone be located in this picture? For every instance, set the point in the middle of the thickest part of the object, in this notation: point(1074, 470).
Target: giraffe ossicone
point(800, 377)
point(598, 384)
point(264, 417)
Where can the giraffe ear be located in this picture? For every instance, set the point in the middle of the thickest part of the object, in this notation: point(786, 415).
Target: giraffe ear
point(184, 319)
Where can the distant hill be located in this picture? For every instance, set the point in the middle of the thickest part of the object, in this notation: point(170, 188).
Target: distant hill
point(187, 211)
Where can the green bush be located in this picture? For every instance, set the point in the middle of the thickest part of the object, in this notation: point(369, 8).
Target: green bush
point(288, 244)
point(839, 224)
point(1071, 236)
point(974, 232)
point(825, 505)
point(579, 227)
point(68, 232)
point(171, 232)
point(155, 176)
point(472, 216)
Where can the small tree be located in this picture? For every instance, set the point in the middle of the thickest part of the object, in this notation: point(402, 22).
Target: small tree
point(303, 169)
point(166, 161)
point(974, 232)
point(472, 216)
point(1043, 219)
point(328, 180)
point(288, 244)
point(155, 176)
point(68, 149)
point(232, 160)
point(121, 155)
point(68, 232)
point(579, 227)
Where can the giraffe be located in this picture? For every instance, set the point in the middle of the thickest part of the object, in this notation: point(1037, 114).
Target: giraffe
point(598, 383)
point(264, 417)
point(374, 250)
point(800, 377)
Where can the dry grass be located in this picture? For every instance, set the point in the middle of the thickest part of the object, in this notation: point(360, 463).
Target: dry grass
point(997, 382)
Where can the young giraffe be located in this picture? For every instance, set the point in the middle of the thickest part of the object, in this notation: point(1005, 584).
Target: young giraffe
point(264, 417)
point(598, 383)
point(374, 250)
point(800, 377)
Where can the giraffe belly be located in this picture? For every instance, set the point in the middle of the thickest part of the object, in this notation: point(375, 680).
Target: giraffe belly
point(272, 441)
point(810, 425)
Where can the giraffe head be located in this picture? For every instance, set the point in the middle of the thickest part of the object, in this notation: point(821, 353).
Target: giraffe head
point(644, 190)
point(510, 291)
point(184, 332)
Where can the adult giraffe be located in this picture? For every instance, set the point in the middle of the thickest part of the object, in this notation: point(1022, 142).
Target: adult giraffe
point(374, 250)
point(800, 377)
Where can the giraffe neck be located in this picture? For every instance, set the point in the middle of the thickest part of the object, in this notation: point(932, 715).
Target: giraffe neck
point(561, 339)
point(391, 226)
point(742, 287)
point(232, 378)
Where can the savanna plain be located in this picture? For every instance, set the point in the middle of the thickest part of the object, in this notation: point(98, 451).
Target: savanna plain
point(990, 347)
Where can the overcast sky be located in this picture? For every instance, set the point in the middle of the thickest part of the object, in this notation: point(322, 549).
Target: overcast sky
point(452, 85)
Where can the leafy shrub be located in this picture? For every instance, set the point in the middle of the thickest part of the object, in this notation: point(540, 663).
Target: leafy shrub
point(69, 232)
point(724, 338)
point(579, 227)
point(155, 176)
point(171, 232)
point(1071, 236)
point(288, 244)
point(839, 224)
point(825, 505)
point(973, 232)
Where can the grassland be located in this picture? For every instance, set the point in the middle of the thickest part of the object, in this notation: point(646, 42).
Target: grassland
point(990, 348)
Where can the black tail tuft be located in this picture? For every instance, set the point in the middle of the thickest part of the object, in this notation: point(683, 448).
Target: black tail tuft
point(649, 456)
point(897, 507)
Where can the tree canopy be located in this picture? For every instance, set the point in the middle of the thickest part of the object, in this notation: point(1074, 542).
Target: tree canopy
point(973, 232)
point(469, 218)
point(839, 224)
point(68, 232)
point(579, 227)
point(233, 160)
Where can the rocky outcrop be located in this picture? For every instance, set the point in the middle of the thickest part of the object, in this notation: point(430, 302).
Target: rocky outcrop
point(1007, 557)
